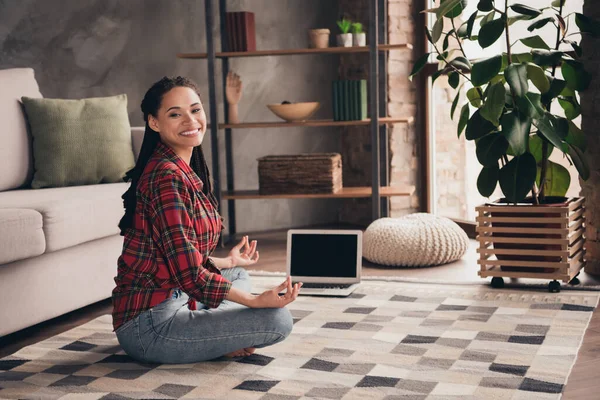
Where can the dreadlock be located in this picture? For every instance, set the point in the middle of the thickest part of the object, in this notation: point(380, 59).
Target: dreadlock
point(150, 105)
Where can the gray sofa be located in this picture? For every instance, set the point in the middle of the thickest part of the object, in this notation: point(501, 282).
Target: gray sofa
point(58, 246)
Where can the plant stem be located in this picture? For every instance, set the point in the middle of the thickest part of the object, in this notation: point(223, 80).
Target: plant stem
point(450, 65)
point(457, 39)
point(508, 52)
point(545, 147)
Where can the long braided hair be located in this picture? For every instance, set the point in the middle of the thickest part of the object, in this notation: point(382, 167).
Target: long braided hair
point(150, 105)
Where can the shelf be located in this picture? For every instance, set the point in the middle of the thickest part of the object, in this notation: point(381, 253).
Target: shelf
point(347, 192)
point(313, 123)
point(289, 52)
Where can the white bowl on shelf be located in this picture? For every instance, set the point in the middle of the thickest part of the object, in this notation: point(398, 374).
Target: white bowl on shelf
point(294, 112)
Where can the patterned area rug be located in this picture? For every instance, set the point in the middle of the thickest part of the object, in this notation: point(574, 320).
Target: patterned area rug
point(389, 340)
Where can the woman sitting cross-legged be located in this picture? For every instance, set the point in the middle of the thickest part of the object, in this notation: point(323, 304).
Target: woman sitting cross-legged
point(173, 302)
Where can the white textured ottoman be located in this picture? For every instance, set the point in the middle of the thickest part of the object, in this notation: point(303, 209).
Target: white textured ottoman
point(415, 240)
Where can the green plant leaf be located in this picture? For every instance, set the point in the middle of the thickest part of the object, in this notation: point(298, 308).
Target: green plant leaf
point(540, 23)
point(461, 63)
point(557, 181)
point(453, 11)
point(548, 131)
point(531, 105)
point(490, 148)
point(558, 3)
point(516, 127)
point(471, 23)
point(421, 62)
point(545, 58)
point(537, 76)
point(535, 42)
point(522, 57)
point(487, 18)
point(516, 76)
point(453, 79)
point(535, 148)
point(485, 5)
point(577, 157)
point(428, 34)
point(488, 180)
point(517, 177)
point(490, 32)
point(587, 24)
point(478, 126)
point(556, 87)
point(571, 107)
point(517, 18)
point(525, 10)
point(494, 104)
point(436, 31)
point(484, 70)
point(474, 97)
point(576, 137)
point(576, 76)
point(464, 118)
point(446, 40)
point(454, 104)
point(561, 126)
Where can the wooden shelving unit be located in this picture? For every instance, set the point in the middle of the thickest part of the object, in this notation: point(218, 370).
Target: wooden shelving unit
point(377, 50)
point(313, 123)
point(345, 193)
point(291, 52)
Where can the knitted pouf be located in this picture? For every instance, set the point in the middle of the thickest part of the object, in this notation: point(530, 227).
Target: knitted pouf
point(414, 240)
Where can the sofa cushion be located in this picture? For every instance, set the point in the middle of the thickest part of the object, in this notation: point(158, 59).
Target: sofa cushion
point(72, 215)
point(79, 142)
point(15, 152)
point(21, 234)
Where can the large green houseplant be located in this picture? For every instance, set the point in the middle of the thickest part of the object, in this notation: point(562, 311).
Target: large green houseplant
point(509, 110)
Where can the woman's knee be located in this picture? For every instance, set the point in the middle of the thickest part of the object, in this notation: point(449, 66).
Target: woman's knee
point(281, 321)
point(236, 273)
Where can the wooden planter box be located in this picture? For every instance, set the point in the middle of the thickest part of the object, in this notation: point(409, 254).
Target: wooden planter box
point(303, 173)
point(528, 241)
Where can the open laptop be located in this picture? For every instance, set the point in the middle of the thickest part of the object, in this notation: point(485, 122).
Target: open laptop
point(327, 262)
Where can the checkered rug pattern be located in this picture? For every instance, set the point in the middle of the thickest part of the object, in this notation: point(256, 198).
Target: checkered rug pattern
point(388, 340)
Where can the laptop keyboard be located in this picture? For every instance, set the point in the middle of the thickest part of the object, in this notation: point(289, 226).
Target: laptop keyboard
point(326, 285)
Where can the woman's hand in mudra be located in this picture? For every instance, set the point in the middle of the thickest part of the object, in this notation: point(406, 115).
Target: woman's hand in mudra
point(244, 253)
point(272, 299)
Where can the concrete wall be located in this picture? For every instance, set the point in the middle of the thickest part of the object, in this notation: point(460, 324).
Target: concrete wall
point(86, 48)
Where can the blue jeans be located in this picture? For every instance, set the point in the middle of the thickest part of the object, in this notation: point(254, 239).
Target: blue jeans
point(171, 333)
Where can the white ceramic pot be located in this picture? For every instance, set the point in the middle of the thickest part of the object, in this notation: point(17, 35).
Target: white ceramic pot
point(359, 39)
point(344, 40)
point(319, 38)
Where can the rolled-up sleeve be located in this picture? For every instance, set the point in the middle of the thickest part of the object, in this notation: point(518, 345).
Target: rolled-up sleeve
point(171, 210)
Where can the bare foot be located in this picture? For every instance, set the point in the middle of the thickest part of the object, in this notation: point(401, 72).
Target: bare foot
point(241, 353)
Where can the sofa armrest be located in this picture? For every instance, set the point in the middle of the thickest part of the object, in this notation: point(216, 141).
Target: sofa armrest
point(137, 136)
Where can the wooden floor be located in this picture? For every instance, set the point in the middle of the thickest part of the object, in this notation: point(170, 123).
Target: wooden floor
point(583, 384)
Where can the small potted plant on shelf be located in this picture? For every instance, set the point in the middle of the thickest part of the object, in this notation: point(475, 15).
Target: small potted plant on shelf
point(534, 231)
point(359, 38)
point(344, 39)
point(319, 38)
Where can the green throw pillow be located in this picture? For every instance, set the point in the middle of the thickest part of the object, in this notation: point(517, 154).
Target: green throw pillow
point(79, 142)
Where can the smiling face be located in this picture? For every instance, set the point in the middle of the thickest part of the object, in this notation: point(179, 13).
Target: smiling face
point(180, 121)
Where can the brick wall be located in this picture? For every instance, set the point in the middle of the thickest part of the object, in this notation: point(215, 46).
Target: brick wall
point(590, 103)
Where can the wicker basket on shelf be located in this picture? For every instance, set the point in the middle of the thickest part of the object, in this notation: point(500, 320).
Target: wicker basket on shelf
point(299, 174)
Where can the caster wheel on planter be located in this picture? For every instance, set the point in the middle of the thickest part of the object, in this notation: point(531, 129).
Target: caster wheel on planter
point(497, 282)
point(554, 286)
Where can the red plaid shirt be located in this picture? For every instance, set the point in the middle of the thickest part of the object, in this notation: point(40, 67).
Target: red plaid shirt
point(175, 229)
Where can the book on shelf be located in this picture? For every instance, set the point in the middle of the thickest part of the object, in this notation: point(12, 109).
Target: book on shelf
point(241, 33)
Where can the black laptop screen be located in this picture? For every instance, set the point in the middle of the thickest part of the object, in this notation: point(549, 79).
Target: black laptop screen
point(323, 255)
